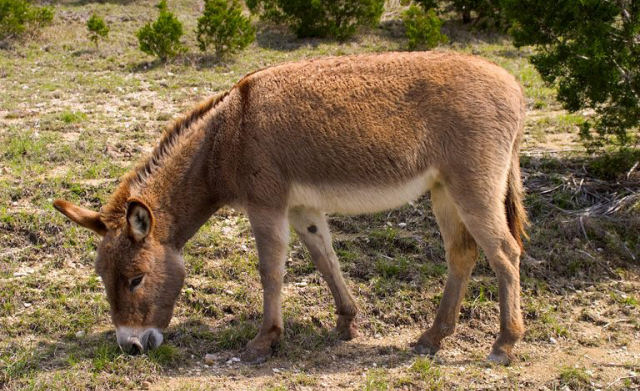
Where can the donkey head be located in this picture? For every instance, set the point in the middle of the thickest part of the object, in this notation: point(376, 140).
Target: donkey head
point(142, 276)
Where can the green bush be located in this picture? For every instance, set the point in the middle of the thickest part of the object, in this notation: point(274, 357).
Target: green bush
point(422, 28)
point(162, 37)
point(591, 51)
point(614, 165)
point(488, 13)
point(97, 29)
point(223, 26)
point(315, 18)
point(428, 4)
point(19, 16)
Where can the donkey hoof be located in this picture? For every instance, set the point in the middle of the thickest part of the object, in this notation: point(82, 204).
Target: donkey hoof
point(346, 333)
point(253, 356)
point(500, 358)
point(346, 329)
point(256, 354)
point(425, 348)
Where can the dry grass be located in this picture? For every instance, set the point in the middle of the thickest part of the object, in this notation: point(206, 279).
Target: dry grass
point(73, 119)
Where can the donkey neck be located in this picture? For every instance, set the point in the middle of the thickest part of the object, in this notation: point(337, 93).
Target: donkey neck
point(185, 184)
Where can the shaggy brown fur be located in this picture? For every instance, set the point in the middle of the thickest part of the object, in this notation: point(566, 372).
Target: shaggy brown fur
point(290, 143)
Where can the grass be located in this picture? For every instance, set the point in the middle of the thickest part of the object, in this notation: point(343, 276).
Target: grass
point(73, 120)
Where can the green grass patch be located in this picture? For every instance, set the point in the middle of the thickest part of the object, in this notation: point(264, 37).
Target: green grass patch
point(575, 378)
point(429, 373)
point(105, 356)
point(164, 355)
point(70, 117)
point(236, 336)
point(377, 380)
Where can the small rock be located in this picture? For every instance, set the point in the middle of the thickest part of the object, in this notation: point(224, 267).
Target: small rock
point(145, 385)
point(228, 292)
point(402, 225)
point(553, 341)
point(26, 305)
point(275, 370)
point(235, 359)
point(210, 359)
point(80, 334)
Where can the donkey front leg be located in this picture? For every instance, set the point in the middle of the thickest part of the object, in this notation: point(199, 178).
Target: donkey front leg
point(312, 228)
point(271, 231)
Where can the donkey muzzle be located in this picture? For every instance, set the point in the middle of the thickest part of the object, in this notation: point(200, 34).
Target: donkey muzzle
point(138, 340)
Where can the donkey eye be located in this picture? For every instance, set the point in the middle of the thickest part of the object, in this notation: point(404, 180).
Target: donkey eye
point(135, 282)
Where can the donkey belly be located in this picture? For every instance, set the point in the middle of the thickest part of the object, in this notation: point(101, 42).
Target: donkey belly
point(360, 198)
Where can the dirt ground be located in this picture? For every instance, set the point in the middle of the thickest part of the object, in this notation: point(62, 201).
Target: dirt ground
point(74, 118)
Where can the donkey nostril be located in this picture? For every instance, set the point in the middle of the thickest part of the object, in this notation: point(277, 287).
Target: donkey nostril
point(151, 341)
point(135, 346)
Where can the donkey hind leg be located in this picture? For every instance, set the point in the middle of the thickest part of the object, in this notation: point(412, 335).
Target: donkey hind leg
point(271, 230)
point(312, 228)
point(484, 216)
point(461, 252)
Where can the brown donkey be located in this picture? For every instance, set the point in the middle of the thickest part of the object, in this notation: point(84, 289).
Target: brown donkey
point(288, 144)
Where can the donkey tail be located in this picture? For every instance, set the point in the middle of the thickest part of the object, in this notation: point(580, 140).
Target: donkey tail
point(516, 214)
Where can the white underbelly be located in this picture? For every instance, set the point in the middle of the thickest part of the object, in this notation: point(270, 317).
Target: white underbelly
point(360, 199)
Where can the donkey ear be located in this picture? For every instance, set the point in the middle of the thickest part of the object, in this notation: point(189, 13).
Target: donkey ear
point(81, 216)
point(139, 219)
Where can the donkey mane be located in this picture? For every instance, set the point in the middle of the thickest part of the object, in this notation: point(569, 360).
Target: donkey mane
point(113, 212)
point(171, 137)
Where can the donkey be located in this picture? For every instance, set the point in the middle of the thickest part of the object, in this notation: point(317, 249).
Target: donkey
point(290, 143)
